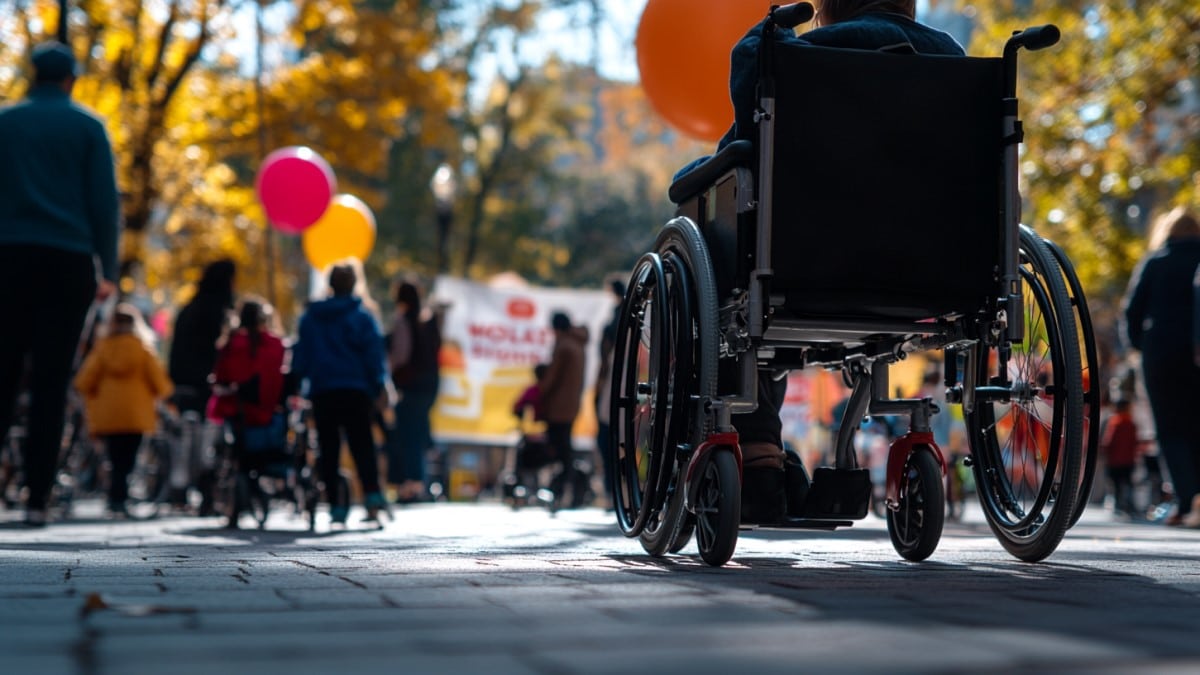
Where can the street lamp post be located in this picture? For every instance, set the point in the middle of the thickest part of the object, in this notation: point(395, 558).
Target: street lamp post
point(444, 187)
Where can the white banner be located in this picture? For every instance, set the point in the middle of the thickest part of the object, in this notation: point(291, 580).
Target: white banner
point(492, 337)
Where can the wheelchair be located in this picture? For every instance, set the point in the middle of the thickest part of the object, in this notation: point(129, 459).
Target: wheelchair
point(877, 215)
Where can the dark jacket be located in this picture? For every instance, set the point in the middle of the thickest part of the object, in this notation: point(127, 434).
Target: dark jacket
point(57, 180)
point(1158, 308)
point(340, 346)
point(879, 31)
point(194, 342)
point(562, 385)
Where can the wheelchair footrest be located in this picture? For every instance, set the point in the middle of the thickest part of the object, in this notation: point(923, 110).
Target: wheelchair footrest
point(838, 494)
point(799, 524)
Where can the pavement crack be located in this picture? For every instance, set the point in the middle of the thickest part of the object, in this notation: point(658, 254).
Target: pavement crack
point(240, 578)
point(352, 582)
point(162, 588)
point(158, 572)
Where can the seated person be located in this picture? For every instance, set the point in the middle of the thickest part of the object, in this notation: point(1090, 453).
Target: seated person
point(887, 25)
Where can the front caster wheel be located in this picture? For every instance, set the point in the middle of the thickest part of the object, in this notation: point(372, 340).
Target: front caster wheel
point(718, 508)
point(916, 526)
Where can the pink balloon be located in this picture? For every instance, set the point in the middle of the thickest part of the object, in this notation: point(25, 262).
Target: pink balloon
point(295, 186)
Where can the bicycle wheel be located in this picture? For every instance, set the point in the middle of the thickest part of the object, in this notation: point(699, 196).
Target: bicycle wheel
point(1026, 439)
point(1092, 386)
point(916, 526)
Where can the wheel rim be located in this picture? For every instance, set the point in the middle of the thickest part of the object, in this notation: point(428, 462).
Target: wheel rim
point(639, 393)
point(678, 361)
point(1025, 450)
point(909, 518)
point(708, 507)
point(1019, 442)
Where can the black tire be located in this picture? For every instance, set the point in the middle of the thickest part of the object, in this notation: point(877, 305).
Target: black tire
point(692, 310)
point(718, 508)
point(916, 526)
point(1092, 380)
point(1027, 448)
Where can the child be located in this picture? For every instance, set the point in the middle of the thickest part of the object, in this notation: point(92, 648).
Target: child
point(249, 369)
point(340, 355)
point(122, 381)
point(248, 389)
point(531, 398)
point(1119, 447)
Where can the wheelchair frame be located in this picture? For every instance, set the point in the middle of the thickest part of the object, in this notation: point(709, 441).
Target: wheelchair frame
point(675, 445)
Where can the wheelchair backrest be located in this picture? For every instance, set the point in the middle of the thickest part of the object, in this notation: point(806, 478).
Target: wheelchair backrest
point(887, 182)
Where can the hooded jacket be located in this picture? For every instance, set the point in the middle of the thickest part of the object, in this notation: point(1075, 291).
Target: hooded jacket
point(121, 380)
point(562, 385)
point(340, 346)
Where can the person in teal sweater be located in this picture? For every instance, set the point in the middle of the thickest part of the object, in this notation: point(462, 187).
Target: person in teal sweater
point(59, 228)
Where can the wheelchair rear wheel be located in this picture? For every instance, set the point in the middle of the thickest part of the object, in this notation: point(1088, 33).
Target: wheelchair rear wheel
point(640, 391)
point(1091, 377)
point(1027, 445)
point(718, 508)
point(692, 313)
point(916, 526)
point(664, 362)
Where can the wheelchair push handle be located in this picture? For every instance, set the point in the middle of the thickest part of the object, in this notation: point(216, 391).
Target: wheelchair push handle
point(1033, 39)
point(790, 16)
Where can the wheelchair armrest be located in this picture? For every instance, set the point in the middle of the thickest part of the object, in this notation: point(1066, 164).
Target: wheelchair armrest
point(699, 179)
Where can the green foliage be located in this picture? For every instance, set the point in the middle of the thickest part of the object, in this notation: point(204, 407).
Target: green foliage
point(1112, 122)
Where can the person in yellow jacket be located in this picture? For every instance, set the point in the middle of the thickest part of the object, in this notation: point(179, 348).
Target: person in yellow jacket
point(122, 381)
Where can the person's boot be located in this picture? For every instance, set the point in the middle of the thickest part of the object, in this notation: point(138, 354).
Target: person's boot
point(764, 487)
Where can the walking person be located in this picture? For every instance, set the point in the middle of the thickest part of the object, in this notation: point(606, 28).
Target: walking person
point(413, 345)
point(604, 375)
point(58, 217)
point(1158, 323)
point(339, 354)
point(122, 383)
point(198, 327)
point(561, 389)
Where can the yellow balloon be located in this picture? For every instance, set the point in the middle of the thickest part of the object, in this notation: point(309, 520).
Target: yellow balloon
point(346, 230)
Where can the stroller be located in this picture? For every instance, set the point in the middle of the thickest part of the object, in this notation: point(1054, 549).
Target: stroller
point(269, 463)
point(523, 465)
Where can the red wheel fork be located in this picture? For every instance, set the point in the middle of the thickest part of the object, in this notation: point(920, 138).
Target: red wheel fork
point(715, 441)
point(898, 454)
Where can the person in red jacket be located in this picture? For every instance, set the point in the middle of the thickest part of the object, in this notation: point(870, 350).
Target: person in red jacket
point(248, 384)
point(249, 370)
point(1119, 446)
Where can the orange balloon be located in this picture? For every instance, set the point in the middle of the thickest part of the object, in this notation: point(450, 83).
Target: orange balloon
point(346, 230)
point(683, 55)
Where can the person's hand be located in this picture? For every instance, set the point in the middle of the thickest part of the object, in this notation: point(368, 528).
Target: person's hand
point(105, 289)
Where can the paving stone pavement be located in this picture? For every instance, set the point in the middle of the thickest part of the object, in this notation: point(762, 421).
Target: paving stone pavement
point(478, 588)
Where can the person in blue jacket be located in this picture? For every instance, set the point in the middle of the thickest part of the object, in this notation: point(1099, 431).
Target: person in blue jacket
point(883, 25)
point(340, 357)
point(59, 217)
